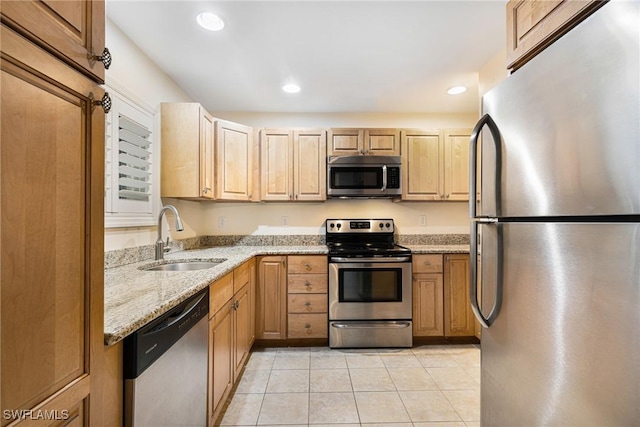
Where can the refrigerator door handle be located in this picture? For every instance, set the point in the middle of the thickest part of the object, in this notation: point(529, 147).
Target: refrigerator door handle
point(473, 272)
point(473, 164)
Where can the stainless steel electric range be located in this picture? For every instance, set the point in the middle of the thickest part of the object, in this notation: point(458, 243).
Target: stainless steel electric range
point(369, 285)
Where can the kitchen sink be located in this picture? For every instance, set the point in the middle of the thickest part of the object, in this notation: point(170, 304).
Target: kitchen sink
point(184, 266)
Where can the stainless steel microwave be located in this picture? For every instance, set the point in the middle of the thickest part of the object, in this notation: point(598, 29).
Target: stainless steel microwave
point(364, 176)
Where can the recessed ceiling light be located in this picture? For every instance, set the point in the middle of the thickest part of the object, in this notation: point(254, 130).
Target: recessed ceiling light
point(210, 21)
point(456, 90)
point(291, 88)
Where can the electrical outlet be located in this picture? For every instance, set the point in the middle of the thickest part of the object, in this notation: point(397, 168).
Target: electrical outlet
point(422, 220)
point(284, 220)
point(222, 221)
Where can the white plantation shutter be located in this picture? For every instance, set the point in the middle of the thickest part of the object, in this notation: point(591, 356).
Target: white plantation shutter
point(131, 179)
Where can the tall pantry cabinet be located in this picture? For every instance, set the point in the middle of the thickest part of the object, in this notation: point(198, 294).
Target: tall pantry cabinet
point(51, 212)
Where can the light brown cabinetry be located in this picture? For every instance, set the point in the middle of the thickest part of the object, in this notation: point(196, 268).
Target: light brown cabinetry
point(51, 217)
point(271, 298)
point(440, 296)
point(435, 165)
point(380, 142)
point(307, 296)
point(71, 30)
point(459, 318)
point(230, 312)
point(234, 161)
point(187, 167)
point(293, 164)
point(428, 295)
point(532, 25)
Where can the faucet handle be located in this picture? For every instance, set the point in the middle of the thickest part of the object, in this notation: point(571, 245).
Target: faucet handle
point(166, 246)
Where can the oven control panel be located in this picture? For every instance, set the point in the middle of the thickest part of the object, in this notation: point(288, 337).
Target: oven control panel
point(384, 225)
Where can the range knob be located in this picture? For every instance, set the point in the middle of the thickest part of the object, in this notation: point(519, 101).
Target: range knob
point(339, 226)
point(388, 225)
point(332, 225)
point(381, 225)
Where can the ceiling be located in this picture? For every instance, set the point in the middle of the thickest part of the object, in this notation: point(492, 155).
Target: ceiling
point(348, 56)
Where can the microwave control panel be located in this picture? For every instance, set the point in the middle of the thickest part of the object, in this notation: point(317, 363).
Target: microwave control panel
point(393, 177)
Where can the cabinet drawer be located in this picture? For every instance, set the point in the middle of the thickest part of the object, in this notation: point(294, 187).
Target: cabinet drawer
point(305, 264)
point(308, 303)
point(427, 263)
point(308, 326)
point(307, 283)
point(240, 276)
point(220, 292)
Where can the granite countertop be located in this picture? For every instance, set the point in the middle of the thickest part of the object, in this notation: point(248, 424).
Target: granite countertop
point(134, 297)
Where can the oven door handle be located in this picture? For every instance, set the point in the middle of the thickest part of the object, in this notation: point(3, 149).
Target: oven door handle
point(369, 260)
point(371, 325)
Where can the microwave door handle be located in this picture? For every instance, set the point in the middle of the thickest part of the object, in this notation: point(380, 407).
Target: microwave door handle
point(384, 178)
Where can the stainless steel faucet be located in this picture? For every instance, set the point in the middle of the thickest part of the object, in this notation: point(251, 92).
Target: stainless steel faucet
point(160, 249)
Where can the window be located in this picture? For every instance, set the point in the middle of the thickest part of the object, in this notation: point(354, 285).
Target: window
point(131, 177)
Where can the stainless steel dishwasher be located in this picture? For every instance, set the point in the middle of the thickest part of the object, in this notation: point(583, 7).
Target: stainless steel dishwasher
point(165, 368)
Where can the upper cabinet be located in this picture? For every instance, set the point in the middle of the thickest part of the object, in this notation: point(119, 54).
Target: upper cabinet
point(532, 25)
point(293, 164)
point(380, 142)
point(52, 145)
point(71, 30)
point(204, 158)
point(187, 151)
point(435, 165)
point(235, 161)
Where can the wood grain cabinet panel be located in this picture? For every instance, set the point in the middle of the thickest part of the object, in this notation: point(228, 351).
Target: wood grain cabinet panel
point(459, 318)
point(51, 217)
point(74, 31)
point(220, 360)
point(381, 142)
point(293, 164)
point(428, 304)
point(349, 142)
point(234, 161)
point(435, 165)
point(532, 25)
point(188, 161)
point(271, 298)
point(307, 296)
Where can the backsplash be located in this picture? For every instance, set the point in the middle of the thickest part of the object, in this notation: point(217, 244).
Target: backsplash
point(125, 256)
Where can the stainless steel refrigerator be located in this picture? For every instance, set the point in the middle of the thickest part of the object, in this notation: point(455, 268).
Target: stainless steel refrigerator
point(556, 231)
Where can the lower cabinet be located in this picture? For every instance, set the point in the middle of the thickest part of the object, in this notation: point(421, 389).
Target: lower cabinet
point(307, 296)
point(231, 304)
point(458, 316)
point(441, 305)
point(271, 298)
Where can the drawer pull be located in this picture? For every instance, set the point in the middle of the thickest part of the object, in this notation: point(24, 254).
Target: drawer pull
point(307, 266)
point(427, 263)
point(308, 286)
point(308, 305)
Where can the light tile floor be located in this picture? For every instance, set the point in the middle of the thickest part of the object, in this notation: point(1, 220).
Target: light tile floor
point(427, 386)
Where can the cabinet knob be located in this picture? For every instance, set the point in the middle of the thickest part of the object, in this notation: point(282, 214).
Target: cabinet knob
point(427, 263)
point(250, 196)
point(105, 58)
point(307, 267)
point(105, 102)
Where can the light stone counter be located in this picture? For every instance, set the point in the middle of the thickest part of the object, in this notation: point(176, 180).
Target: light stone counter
point(134, 297)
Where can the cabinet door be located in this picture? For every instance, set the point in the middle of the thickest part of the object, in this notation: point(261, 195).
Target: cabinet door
point(422, 172)
point(51, 245)
point(71, 30)
point(310, 165)
point(428, 303)
point(241, 329)
point(459, 319)
point(532, 25)
point(271, 299)
point(456, 165)
point(252, 301)
point(381, 142)
point(187, 167)
point(234, 157)
point(276, 148)
point(207, 155)
point(342, 142)
point(220, 359)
